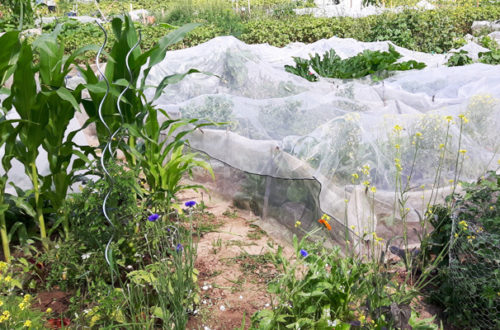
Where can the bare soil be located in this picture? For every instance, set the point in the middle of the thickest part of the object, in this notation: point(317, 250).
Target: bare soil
point(233, 266)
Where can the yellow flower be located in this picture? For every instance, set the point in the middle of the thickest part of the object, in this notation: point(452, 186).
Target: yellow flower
point(397, 146)
point(492, 208)
point(22, 306)
point(463, 118)
point(49, 310)
point(27, 298)
point(362, 318)
point(498, 161)
point(355, 176)
point(441, 146)
point(449, 118)
point(325, 216)
point(353, 227)
point(5, 316)
point(463, 224)
point(3, 266)
point(297, 224)
point(346, 201)
point(373, 189)
point(418, 134)
point(397, 128)
point(27, 324)
point(462, 151)
point(366, 169)
point(366, 183)
point(7, 279)
point(456, 235)
point(376, 238)
point(1, 303)
point(451, 181)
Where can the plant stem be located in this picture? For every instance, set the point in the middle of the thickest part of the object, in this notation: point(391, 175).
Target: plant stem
point(38, 206)
point(3, 230)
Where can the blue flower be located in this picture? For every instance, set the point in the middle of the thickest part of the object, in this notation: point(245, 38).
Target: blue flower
point(179, 247)
point(190, 203)
point(153, 217)
point(304, 253)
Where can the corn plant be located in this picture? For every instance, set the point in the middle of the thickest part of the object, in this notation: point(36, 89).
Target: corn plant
point(126, 108)
point(162, 159)
point(10, 41)
point(133, 102)
point(45, 109)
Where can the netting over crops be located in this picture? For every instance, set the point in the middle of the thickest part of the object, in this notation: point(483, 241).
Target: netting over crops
point(474, 271)
point(293, 145)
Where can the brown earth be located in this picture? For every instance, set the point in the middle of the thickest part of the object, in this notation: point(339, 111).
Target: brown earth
point(234, 267)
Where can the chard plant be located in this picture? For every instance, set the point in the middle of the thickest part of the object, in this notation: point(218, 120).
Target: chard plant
point(368, 62)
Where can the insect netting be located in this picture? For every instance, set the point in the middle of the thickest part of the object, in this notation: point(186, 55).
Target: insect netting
point(297, 149)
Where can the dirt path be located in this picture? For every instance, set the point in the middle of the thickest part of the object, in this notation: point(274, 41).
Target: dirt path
point(234, 265)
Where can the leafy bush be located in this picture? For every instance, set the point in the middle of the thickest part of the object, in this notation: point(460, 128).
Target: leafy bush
point(459, 58)
point(324, 289)
point(427, 31)
point(468, 282)
point(365, 63)
point(492, 57)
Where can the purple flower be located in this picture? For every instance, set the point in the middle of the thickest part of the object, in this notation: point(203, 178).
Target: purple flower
point(179, 247)
point(153, 217)
point(190, 203)
point(304, 253)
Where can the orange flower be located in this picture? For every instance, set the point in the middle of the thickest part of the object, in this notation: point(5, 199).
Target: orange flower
point(325, 223)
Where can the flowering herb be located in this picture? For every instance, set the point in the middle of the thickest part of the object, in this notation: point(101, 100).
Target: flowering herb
point(179, 247)
point(153, 217)
point(190, 203)
point(325, 223)
point(304, 253)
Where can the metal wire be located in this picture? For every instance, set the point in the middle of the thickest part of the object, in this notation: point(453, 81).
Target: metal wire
point(112, 136)
point(107, 147)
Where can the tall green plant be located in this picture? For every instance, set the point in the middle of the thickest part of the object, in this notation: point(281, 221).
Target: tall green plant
point(162, 159)
point(45, 108)
point(126, 108)
point(10, 41)
point(22, 11)
point(133, 102)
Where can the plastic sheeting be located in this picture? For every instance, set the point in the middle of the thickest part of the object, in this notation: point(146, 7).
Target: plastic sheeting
point(285, 127)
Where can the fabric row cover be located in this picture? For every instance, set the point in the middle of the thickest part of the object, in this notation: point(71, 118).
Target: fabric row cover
point(297, 149)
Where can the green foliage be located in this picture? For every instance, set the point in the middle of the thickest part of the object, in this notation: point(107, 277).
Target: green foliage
point(21, 14)
point(459, 59)
point(427, 31)
point(44, 116)
point(492, 57)
point(365, 63)
point(469, 226)
point(160, 159)
point(81, 257)
point(324, 289)
point(488, 42)
point(302, 68)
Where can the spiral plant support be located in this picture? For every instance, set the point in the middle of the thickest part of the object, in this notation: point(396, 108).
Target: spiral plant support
point(109, 147)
